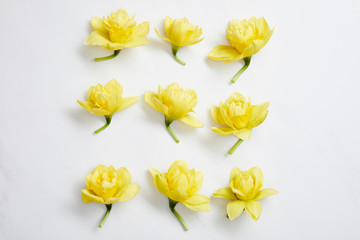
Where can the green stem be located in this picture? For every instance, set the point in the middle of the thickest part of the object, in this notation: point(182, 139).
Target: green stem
point(116, 52)
point(168, 121)
point(108, 209)
point(172, 205)
point(108, 121)
point(247, 63)
point(175, 49)
point(235, 146)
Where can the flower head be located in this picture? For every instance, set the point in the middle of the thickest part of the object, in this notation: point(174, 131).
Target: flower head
point(107, 185)
point(105, 101)
point(117, 31)
point(175, 103)
point(247, 37)
point(180, 32)
point(238, 116)
point(245, 190)
point(180, 184)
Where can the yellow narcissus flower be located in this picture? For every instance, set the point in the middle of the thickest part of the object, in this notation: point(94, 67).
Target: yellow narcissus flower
point(107, 185)
point(244, 191)
point(105, 101)
point(247, 37)
point(180, 184)
point(180, 32)
point(175, 103)
point(116, 32)
point(238, 117)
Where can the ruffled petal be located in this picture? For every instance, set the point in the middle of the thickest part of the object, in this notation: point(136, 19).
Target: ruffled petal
point(191, 121)
point(129, 193)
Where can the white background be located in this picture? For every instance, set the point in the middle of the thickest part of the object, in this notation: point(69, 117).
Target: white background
point(307, 147)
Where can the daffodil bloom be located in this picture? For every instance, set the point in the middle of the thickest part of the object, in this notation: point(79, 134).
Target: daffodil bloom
point(105, 101)
point(107, 185)
point(245, 191)
point(175, 103)
point(116, 32)
point(180, 32)
point(238, 117)
point(247, 37)
point(180, 184)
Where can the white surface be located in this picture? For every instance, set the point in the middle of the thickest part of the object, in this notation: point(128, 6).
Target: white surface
point(307, 148)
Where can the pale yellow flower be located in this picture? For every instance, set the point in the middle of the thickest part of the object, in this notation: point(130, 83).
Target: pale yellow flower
point(247, 37)
point(245, 190)
point(105, 101)
point(239, 117)
point(175, 103)
point(116, 32)
point(180, 184)
point(107, 185)
point(180, 32)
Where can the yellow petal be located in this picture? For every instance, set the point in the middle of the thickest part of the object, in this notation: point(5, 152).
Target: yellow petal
point(100, 112)
point(215, 114)
point(264, 193)
point(167, 25)
point(163, 38)
point(113, 86)
point(223, 130)
point(224, 193)
point(125, 102)
point(225, 53)
point(141, 30)
point(114, 102)
point(154, 172)
point(135, 43)
point(98, 25)
point(97, 39)
point(86, 105)
point(179, 194)
point(258, 114)
point(243, 134)
point(129, 193)
point(198, 203)
point(114, 46)
point(88, 196)
point(199, 177)
point(179, 164)
point(234, 209)
point(161, 184)
point(191, 121)
point(253, 209)
point(152, 99)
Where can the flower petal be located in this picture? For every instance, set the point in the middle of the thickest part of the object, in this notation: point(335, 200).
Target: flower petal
point(179, 164)
point(223, 130)
point(98, 25)
point(243, 134)
point(125, 102)
point(86, 105)
point(163, 38)
point(234, 209)
point(167, 25)
point(179, 194)
point(154, 172)
point(264, 193)
point(198, 202)
point(129, 193)
point(224, 193)
point(253, 209)
point(161, 184)
point(97, 39)
point(225, 53)
point(258, 114)
point(100, 112)
point(88, 197)
point(191, 121)
point(151, 98)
